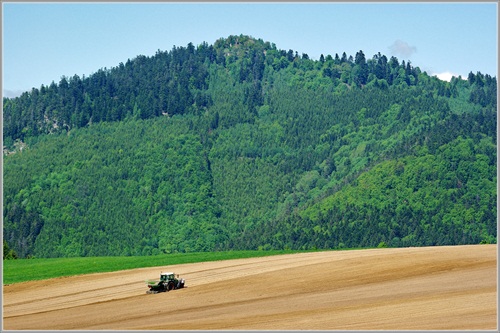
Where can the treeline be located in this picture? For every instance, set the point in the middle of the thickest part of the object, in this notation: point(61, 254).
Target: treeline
point(240, 145)
point(178, 82)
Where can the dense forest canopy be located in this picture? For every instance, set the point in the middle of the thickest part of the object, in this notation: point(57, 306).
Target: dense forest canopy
point(240, 145)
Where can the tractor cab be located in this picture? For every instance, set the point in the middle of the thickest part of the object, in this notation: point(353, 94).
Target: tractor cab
point(167, 276)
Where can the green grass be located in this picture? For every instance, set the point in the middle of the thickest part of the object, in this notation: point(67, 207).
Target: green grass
point(21, 270)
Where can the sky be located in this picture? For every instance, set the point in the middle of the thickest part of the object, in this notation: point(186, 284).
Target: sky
point(41, 42)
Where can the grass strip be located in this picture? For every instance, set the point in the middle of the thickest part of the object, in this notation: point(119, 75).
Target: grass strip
point(22, 270)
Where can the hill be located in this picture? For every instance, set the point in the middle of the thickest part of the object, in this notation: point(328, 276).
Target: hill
point(240, 145)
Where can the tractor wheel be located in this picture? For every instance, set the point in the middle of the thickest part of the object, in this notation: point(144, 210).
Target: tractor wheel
point(170, 286)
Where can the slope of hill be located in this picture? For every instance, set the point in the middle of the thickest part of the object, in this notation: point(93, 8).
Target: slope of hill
point(426, 288)
point(240, 145)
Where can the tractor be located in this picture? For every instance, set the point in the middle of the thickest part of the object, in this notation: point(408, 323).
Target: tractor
point(168, 281)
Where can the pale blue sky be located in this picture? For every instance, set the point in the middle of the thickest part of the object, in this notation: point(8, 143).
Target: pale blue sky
point(44, 41)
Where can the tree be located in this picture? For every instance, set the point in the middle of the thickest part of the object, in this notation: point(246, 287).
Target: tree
point(344, 58)
point(8, 253)
point(381, 69)
point(360, 70)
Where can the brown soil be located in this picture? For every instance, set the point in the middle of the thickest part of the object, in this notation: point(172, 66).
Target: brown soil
point(431, 288)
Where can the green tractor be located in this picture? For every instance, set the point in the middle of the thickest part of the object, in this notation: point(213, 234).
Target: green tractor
point(168, 281)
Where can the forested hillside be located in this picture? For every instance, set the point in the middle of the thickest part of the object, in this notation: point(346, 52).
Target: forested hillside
point(240, 145)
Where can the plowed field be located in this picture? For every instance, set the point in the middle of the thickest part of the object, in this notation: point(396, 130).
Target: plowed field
point(436, 288)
